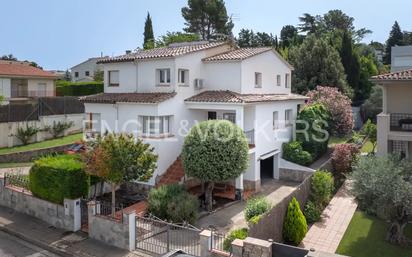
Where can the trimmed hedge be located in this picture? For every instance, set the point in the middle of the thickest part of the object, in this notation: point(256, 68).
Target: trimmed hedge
point(294, 226)
point(256, 207)
point(66, 88)
point(294, 152)
point(54, 178)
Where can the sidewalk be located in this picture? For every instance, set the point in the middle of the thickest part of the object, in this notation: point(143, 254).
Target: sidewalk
point(326, 234)
point(55, 240)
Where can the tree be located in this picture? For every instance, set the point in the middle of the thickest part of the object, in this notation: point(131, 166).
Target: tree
point(316, 63)
point(294, 226)
point(1, 99)
point(98, 75)
point(309, 23)
point(288, 35)
point(207, 18)
point(148, 40)
point(175, 37)
point(383, 187)
point(118, 158)
point(395, 38)
point(247, 38)
point(370, 131)
point(8, 57)
point(215, 151)
point(373, 105)
point(67, 76)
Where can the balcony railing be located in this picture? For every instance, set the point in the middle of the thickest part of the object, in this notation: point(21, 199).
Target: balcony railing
point(250, 135)
point(401, 121)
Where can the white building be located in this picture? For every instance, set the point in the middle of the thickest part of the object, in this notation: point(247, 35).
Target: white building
point(159, 94)
point(401, 58)
point(395, 121)
point(85, 71)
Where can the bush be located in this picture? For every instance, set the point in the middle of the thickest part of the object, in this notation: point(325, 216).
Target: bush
point(343, 157)
point(294, 152)
point(173, 203)
point(26, 134)
point(312, 212)
point(322, 186)
point(256, 207)
point(58, 129)
point(54, 178)
point(67, 88)
point(235, 234)
point(294, 226)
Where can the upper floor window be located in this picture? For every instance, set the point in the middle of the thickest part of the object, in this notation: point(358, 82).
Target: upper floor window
point(258, 79)
point(76, 74)
point(288, 117)
point(163, 76)
point(275, 120)
point(278, 80)
point(113, 78)
point(287, 82)
point(156, 125)
point(183, 77)
point(87, 73)
point(230, 117)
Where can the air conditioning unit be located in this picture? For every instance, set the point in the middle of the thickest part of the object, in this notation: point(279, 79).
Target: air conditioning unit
point(198, 83)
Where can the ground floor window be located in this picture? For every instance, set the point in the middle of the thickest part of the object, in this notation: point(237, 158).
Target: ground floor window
point(230, 117)
point(401, 148)
point(156, 125)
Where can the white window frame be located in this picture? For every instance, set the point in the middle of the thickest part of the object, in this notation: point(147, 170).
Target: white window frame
point(275, 116)
point(287, 80)
point(163, 77)
point(230, 116)
point(288, 117)
point(110, 74)
point(278, 80)
point(156, 126)
point(258, 79)
point(185, 73)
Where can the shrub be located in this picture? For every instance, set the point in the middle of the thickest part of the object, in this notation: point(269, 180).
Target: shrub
point(26, 134)
point(54, 178)
point(294, 152)
point(58, 129)
point(294, 226)
point(173, 203)
point(343, 157)
point(235, 234)
point(312, 212)
point(255, 219)
point(67, 88)
point(256, 207)
point(322, 186)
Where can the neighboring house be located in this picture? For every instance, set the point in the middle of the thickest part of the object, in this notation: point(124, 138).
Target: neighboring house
point(19, 82)
point(159, 94)
point(395, 121)
point(85, 71)
point(401, 58)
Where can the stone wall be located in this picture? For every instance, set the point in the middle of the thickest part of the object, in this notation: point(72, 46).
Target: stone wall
point(293, 175)
point(29, 156)
point(65, 216)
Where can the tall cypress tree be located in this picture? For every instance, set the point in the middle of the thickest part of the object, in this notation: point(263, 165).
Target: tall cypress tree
point(351, 64)
point(148, 41)
point(395, 38)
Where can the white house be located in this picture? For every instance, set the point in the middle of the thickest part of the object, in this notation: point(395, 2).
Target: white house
point(395, 121)
point(85, 71)
point(401, 58)
point(159, 94)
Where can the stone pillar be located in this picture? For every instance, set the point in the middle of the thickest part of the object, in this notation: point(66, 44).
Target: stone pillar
point(237, 248)
point(131, 220)
point(205, 243)
point(72, 212)
point(253, 247)
point(239, 187)
point(383, 122)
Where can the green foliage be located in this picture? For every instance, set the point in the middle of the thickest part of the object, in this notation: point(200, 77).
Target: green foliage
point(175, 37)
point(98, 76)
point(235, 234)
point(312, 212)
point(54, 178)
point(26, 134)
point(148, 40)
point(256, 207)
point(370, 131)
point(248, 38)
point(395, 38)
point(373, 105)
point(1, 99)
point(294, 226)
point(255, 219)
point(294, 152)
point(58, 129)
point(67, 88)
point(289, 36)
point(344, 157)
point(173, 203)
point(322, 186)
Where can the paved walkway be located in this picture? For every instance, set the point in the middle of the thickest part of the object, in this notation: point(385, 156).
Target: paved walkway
point(326, 234)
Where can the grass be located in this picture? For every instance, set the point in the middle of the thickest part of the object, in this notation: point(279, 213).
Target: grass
point(333, 140)
point(15, 165)
point(365, 237)
point(367, 147)
point(45, 144)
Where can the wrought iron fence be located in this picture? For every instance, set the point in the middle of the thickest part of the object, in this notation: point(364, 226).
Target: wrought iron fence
point(159, 237)
point(217, 241)
point(17, 180)
point(105, 209)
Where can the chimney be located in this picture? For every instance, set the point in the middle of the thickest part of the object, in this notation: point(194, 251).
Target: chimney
point(128, 51)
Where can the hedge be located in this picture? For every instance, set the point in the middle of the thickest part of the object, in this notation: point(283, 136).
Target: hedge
point(66, 88)
point(293, 151)
point(54, 178)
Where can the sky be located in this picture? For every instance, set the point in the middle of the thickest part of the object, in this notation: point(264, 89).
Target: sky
point(58, 34)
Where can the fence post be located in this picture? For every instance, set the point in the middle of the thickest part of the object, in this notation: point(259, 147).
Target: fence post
point(168, 238)
point(237, 248)
point(132, 230)
point(254, 247)
point(205, 243)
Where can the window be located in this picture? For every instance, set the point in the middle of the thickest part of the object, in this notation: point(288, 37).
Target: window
point(211, 115)
point(76, 74)
point(278, 80)
point(258, 79)
point(113, 78)
point(288, 117)
point(87, 73)
point(156, 125)
point(287, 80)
point(163, 76)
point(183, 77)
point(230, 117)
point(275, 120)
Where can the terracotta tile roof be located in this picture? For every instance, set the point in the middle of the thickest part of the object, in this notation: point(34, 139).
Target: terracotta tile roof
point(238, 54)
point(233, 97)
point(21, 69)
point(170, 51)
point(111, 98)
point(400, 75)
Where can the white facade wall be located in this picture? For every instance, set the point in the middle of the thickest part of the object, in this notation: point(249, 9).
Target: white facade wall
point(90, 65)
point(5, 87)
point(127, 77)
point(35, 89)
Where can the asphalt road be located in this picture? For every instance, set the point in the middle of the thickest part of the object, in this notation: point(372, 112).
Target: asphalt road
point(11, 246)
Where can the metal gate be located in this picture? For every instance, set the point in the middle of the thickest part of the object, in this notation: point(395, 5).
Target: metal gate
point(84, 215)
point(160, 237)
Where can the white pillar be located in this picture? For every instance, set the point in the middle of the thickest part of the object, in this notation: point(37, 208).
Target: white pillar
point(240, 117)
point(132, 230)
point(384, 100)
point(383, 131)
point(205, 243)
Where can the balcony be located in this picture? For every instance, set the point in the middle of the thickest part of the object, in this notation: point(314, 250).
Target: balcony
point(401, 122)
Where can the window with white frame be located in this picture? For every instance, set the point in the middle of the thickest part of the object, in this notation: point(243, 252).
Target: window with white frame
point(288, 117)
point(156, 125)
point(163, 77)
point(113, 78)
point(258, 79)
point(278, 80)
point(183, 78)
point(275, 120)
point(287, 78)
point(230, 117)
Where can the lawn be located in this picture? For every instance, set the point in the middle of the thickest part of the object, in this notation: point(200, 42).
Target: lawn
point(367, 147)
point(337, 140)
point(15, 165)
point(45, 144)
point(365, 237)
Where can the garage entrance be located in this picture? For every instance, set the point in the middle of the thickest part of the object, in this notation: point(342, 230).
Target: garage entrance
point(269, 166)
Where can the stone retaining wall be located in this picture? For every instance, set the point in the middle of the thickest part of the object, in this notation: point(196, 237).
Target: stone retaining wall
point(29, 156)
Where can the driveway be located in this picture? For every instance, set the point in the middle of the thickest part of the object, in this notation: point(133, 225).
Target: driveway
point(232, 217)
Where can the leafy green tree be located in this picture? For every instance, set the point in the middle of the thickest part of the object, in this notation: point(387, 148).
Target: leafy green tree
point(395, 38)
point(67, 76)
point(294, 226)
point(207, 18)
point(316, 63)
point(383, 187)
point(148, 35)
point(407, 38)
point(288, 35)
point(309, 23)
point(322, 185)
point(8, 57)
point(119, 158)
point(98, 75)
point(373, 105)
point(370, 130)
point(208, 142)
point(248, 38)
point(175, 37)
